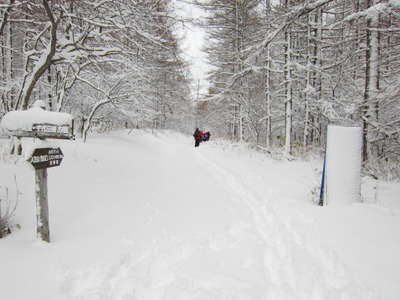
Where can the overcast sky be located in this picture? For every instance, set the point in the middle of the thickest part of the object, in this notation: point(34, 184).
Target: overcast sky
point(192, 44)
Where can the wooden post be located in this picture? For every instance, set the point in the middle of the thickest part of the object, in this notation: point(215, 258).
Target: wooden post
point(42, 207)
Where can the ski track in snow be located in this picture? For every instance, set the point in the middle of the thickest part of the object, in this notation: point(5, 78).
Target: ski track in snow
point(222, 265)
point(289, 267)
point(287, 255)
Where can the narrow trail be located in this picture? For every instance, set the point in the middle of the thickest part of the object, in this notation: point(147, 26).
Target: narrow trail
point(190, 240)
point(210, 237)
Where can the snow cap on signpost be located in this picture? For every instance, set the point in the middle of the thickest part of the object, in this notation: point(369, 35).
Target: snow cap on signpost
point(343, 165)
point(37, 122)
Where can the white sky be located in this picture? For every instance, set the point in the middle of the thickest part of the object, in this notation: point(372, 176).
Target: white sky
point(192, 44)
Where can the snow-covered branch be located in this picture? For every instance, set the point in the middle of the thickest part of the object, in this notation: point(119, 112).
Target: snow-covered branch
point(44, 62)
point(6, 15)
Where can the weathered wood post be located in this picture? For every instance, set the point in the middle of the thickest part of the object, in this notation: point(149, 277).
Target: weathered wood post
point(42, 206)
point(41, 159)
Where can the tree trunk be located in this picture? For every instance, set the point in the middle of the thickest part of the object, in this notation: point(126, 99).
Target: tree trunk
point(91, 115)
point(268, 100)
point(288, 93)
point(5, 16)
point(308, 86)
point(318, 78)
point(268, 88)
point(371, 83)
point(49, 95)
point(46, 58)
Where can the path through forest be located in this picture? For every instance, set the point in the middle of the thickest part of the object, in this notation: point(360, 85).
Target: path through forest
point(149, 217)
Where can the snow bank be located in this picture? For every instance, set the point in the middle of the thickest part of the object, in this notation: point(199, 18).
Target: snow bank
point(23, 120)
point(343, 165)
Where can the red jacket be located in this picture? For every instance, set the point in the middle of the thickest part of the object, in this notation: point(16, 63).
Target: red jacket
point(199, 135)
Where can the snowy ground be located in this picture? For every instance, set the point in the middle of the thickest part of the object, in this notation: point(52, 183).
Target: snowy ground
point(150, 217)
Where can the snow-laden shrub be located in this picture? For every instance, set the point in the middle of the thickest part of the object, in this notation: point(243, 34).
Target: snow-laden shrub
point(386, 169)
point(8, 206)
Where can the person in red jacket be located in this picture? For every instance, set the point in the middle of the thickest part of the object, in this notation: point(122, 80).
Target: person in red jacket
point(198, 136)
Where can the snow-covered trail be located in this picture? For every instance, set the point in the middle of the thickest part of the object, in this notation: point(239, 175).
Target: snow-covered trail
point(296, 267)
point(134, 217)
point(184, 236)
point(149, 217)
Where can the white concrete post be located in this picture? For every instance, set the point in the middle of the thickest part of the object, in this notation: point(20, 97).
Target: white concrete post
point(343, 165)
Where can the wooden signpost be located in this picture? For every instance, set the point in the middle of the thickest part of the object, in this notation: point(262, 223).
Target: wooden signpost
point(41, 158)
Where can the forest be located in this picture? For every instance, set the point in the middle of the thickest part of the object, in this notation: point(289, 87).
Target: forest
point(109, 63)
point(280, 71)
point(284, 70)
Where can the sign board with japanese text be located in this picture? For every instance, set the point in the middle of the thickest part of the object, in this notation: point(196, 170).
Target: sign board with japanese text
point(43, 158)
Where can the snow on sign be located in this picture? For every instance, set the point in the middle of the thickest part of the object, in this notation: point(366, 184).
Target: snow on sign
point(43, 158)
point(36, 122)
